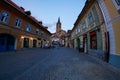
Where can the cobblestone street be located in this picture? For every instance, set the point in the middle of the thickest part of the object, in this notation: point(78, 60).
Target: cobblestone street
point(54, 64)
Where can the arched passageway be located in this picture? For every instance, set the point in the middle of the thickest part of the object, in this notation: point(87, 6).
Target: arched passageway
point(7, 42)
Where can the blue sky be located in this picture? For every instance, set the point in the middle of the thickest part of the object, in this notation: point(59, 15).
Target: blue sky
point(48, 11)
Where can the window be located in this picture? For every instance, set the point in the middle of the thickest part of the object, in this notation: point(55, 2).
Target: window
point(4, 16)
point(18, 23)
point(90, 18)
point(95, 15)
point(42, 33)
point(78, 28)
point(37, 31)
point(76, 31)
point(28, 28)
point(83, 25)
point(117, 4)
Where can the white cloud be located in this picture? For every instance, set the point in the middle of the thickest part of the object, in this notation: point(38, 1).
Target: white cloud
point(51, 26)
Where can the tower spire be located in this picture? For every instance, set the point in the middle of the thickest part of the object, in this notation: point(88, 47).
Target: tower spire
point(59, 20)
point(58, 25)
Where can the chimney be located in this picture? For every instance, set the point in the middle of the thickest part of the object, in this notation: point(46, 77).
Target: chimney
point(28, 13)
point(40, 22)
point(22, 8)
point(45, 27)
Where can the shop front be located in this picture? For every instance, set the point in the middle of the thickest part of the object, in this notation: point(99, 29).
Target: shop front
point(93, 40)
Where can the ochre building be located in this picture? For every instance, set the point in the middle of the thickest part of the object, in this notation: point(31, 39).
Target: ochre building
point(18, 29)
point(96, 30)
point(111, 13)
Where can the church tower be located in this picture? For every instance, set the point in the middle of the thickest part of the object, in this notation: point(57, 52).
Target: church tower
point(58, 25)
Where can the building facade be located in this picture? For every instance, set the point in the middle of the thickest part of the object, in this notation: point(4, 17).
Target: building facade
point(96, 30)
point(88, 34)
point(18, 29)
point(67, 39)
point(59, 35)
point(111, 13)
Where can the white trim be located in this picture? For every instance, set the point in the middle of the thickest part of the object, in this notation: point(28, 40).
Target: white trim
point(116, 5)
point(108, 25)
point(114, 19)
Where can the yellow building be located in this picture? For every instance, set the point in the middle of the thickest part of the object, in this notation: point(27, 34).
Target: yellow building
point(67, 39)
point(96, 30)
point(18, 29)
point(88, 33)
point(111, 12)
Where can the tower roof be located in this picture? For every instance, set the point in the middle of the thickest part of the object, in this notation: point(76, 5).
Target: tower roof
point(59, 20)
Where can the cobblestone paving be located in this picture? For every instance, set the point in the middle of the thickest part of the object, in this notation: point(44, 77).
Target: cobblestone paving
point(55, 64)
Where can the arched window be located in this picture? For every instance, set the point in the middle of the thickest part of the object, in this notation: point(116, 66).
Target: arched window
point(4, 17)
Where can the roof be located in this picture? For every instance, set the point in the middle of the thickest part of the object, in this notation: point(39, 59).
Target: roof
point(15, 5)
point(22, 10)
point(87, 4)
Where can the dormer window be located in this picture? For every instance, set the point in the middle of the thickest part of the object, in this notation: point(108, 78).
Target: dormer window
point(28, 27)
point(4, 16)
point(18, 23)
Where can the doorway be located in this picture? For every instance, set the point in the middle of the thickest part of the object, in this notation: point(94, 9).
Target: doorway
point(7, 42)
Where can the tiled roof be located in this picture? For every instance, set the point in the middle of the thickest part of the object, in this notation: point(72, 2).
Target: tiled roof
point(15, 5)
point(21, 9)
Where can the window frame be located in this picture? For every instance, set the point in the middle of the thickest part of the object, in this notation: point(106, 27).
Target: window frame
point(116, 4)
point(28, 28)
point(7, 18)
point(37, 31)
point(84, 25)
point(79, 29)
point(90, 18)
point(19, 23)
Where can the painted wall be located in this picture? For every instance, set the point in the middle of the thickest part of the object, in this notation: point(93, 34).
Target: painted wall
point(115, 21)
point(21, 32)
